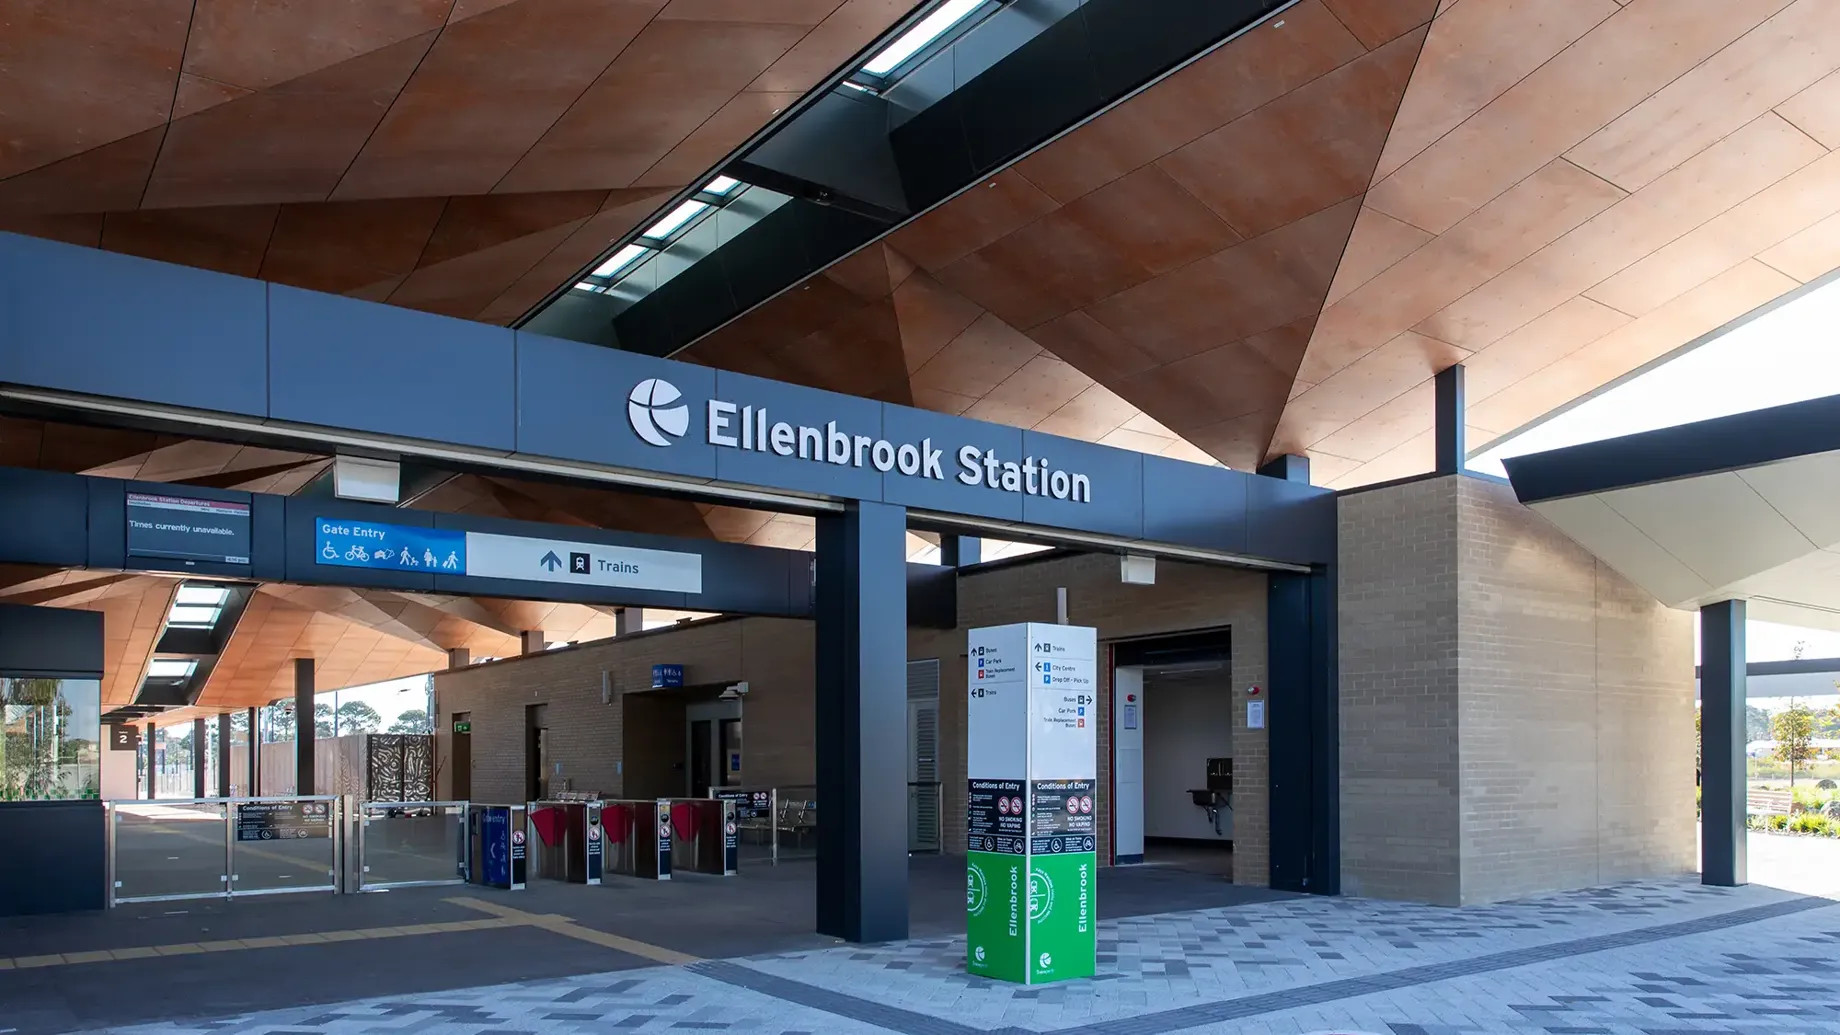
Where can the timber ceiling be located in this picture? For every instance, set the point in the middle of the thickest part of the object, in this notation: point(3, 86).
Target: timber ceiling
point(1275, 249)
point(459, 156)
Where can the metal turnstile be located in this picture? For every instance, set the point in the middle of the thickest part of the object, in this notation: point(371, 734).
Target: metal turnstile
point(638, 837)
point(704, 836)
point(567, 841)
point(497, 849)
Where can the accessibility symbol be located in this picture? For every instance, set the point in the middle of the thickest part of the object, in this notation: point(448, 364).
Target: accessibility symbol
point(330, 552)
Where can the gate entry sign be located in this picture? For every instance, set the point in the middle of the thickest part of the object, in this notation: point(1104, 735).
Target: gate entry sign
point(1030, 895)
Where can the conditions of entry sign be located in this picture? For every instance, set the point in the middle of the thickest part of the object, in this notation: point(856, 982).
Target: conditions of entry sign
point(1031, 858)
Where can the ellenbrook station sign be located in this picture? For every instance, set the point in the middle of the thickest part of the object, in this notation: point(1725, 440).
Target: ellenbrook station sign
point(659, 416)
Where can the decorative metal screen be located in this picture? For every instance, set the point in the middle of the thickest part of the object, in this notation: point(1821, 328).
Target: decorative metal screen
point(399, 767)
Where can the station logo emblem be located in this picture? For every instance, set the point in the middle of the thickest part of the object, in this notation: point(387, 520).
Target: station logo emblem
point(1047, 961)
point(977, 893)
point(1041, 896)
point(978, 953)
point(657, 412)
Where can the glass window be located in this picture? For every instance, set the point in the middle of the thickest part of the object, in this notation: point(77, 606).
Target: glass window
point(51, 747)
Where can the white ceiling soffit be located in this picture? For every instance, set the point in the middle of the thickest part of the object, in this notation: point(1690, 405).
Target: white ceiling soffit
point(1770, 534)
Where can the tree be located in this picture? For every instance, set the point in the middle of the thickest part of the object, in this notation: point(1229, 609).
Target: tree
point(281, 723)
point(414, 720)
point(322, 721)
point(1794, 731)
point(358, 717)
point(1756, 723)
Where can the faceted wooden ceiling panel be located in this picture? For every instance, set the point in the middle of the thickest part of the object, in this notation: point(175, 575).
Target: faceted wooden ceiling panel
point(877, 325)
point(1150, 280)
point(1572, 188)
point(133, 611)
point(1276, 248)
point(457, 156)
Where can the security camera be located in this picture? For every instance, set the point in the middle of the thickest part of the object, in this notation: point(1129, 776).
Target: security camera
point(736, 691)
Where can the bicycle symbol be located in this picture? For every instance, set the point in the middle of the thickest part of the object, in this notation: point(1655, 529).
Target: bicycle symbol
point(357, 553)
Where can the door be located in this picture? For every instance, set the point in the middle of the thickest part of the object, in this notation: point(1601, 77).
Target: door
point(536, 753)
point(1128, 765)
point(700, 761)
point(730, 760)
point(923, 790)
point(463, 761)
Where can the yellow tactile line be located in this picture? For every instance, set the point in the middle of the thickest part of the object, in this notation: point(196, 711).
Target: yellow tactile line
point(568, 928)
point(142, 952)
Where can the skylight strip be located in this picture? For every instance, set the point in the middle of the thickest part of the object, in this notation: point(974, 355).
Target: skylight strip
point(678, 216)
point(621, 259)
point(917, 38)
point(721, 185)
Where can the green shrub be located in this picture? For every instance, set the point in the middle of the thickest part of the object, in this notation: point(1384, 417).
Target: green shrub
point(1814, 823)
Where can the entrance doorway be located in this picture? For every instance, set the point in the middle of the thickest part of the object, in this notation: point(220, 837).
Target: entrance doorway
point(462, 785)
point(1172, 765)
point(536, 752)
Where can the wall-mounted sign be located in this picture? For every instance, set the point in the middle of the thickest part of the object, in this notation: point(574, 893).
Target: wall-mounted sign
point(125, 738)
point(664, 676)
point(462, 726)
point(189, 531)
point(659, 416)
point(444, 551)
point(1255, 715)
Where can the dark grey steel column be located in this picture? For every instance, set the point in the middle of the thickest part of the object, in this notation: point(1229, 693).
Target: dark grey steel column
point(303, 726)
point(958, 551)
point(628, 620)
point(153, 770)
point(1722, 855)
point(1452, 448)
point(254, 785)
point(223, 755)
point(198, 760)
point(862, 723)
point(1289, 467)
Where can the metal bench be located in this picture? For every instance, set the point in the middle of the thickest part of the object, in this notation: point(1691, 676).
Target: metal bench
point(1769, 803)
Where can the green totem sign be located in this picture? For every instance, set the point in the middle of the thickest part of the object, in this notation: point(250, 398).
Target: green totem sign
point(1030, 873)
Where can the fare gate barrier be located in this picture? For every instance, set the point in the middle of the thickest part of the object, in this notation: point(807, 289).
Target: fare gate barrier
point(497, 852)
point(567, 842)
point(409, 844)
point(704, 835)
point(638, 837)
point(169, 850)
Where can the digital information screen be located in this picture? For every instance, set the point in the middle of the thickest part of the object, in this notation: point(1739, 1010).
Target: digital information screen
point(182, 529)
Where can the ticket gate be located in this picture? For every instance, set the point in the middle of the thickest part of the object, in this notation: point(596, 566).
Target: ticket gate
point(567, 841)
point(496, 846)
point(638, 837)
point(704, 836)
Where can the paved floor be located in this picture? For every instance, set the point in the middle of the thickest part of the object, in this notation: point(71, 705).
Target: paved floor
point(1655, 958)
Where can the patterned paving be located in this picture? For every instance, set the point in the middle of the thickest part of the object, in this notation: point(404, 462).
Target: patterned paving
point(1646, 958)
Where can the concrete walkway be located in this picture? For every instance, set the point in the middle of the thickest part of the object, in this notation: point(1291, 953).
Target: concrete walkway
point(1643, 958)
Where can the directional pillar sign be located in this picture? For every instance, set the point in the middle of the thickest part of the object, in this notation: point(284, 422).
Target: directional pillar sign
point(1031, 860)
point(374, 544)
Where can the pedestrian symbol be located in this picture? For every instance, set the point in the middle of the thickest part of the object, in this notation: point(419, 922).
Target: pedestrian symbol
point(453, 561)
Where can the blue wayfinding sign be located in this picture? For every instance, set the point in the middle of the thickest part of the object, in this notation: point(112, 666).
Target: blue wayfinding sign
point(372, 544)
point(667, 676)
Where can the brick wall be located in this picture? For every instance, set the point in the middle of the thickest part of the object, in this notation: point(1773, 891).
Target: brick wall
point(776, 657)
point(1575, 711)
point(773, 654)
point(1186, 597)
point(1516, 717)
point(1397, 621)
